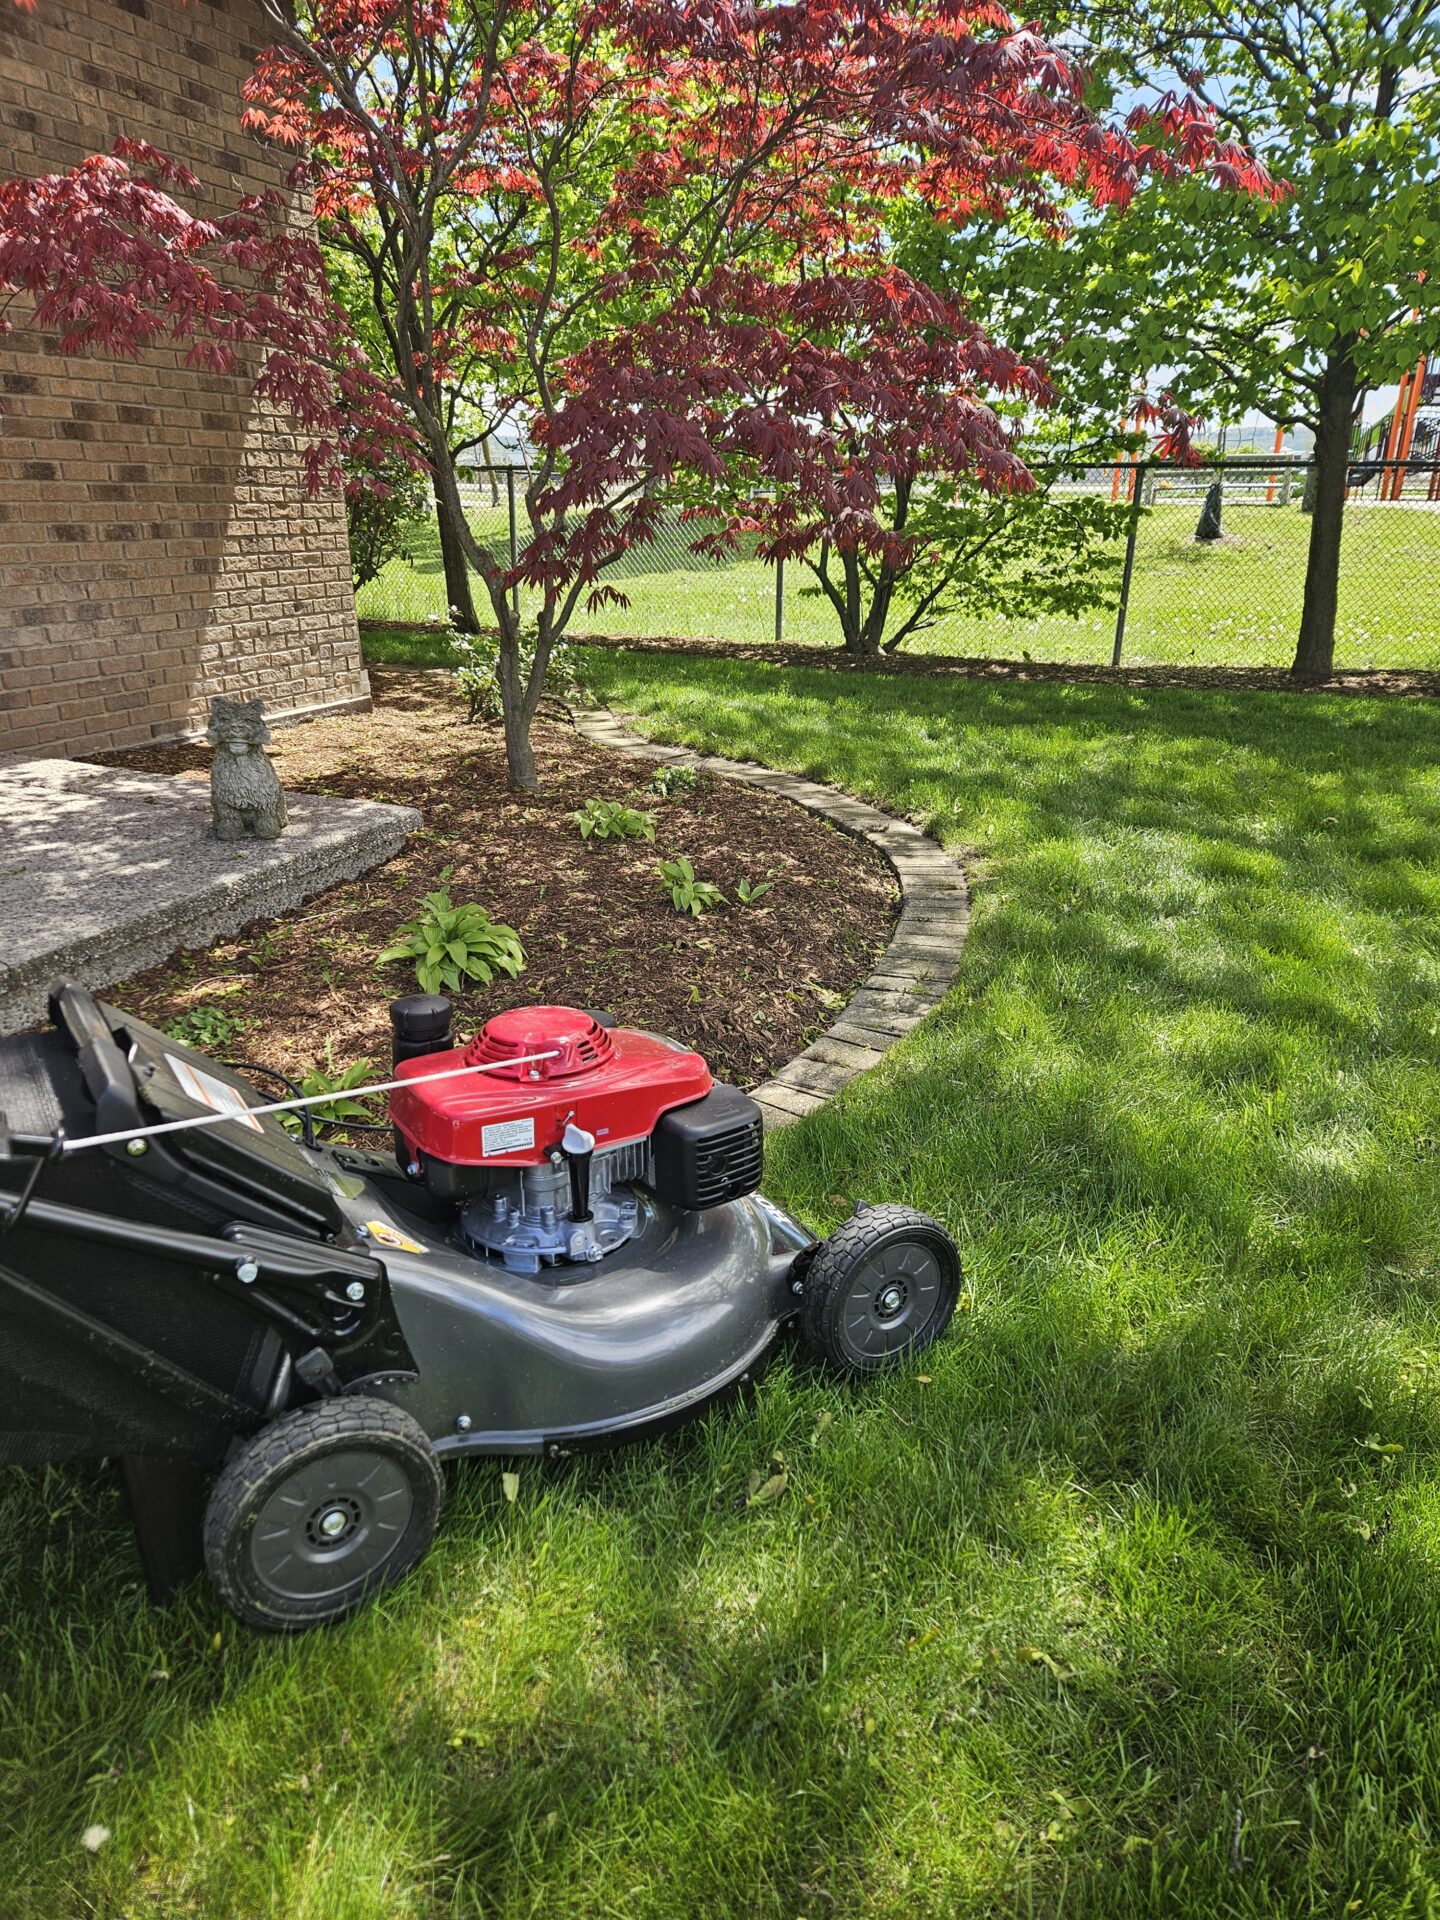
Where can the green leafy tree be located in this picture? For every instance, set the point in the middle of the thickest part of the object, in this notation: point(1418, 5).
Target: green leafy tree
point(380, 519)
point(959, 549)
point(1020, 552)
point(1293, 308)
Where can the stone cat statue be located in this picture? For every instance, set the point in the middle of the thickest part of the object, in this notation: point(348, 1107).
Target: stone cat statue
point(245, 796)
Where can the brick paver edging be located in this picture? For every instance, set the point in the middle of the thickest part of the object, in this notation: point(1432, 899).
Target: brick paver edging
point(916, 969)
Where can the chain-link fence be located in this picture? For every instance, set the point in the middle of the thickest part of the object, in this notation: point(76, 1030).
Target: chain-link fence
point(1164, 595)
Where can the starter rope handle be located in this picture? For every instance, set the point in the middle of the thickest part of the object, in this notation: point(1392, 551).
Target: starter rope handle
point(307, 1100)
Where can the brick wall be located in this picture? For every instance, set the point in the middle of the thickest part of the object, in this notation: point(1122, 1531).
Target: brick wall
point(156, 542)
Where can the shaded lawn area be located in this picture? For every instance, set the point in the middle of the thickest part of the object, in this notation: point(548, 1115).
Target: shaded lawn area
point(1235, 603)
point(1122, 1602)
point(406, 646)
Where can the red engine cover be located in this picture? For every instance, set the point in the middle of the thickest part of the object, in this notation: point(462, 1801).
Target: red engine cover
point(616, 1083)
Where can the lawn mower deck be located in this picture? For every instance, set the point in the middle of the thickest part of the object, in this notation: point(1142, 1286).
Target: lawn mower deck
point(567, 1248)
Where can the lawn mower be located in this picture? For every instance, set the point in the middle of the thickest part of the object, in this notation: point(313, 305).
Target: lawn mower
point(282, 1340)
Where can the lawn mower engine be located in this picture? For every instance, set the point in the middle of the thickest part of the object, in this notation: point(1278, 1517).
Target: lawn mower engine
point(544, 1153)
point(283, 1339)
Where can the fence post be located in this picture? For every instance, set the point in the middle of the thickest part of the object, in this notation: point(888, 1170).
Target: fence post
point(779, 602)
point(1136, 502)
point(514, 546)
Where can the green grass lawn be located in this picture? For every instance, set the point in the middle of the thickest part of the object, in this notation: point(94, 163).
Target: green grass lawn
point(1234, 604)
point(1149, 1547)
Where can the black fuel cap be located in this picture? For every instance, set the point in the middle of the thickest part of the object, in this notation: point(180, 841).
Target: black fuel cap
point(421, 1022)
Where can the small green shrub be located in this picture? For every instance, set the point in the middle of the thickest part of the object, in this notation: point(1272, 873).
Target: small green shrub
point(673, 779)
point(687, 894)
point(335, 1113)
point(268, 950)
point(613, 820)
point(207, 1027)
point(452, 945)
point(383, 524)
point(477, 676)
point(748, 892)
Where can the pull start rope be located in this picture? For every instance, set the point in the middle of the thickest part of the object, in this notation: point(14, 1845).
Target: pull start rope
point(307, 1100)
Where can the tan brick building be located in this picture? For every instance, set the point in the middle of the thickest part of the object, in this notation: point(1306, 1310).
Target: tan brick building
point(156, 541)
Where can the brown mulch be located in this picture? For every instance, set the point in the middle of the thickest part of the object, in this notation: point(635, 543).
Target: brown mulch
point(748, 986)
point(1419, 684)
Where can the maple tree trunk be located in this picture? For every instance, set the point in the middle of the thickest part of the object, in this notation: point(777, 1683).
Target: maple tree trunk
point(517, 703)
point(869, 629)
point(459, 596)
point(517, 709)
point(858, 642)
point(860, 635)
point(855, 625)
point(1315, 647)
point(524, 776)
point(872, 633)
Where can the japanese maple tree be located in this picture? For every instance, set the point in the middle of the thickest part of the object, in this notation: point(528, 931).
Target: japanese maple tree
point(656, 233)
point(851, 423)
point(108, 258)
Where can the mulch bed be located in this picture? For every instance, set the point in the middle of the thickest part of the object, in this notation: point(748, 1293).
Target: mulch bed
point(1419, 684)
point(748, 986)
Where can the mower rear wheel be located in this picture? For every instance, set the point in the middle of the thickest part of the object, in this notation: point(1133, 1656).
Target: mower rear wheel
point(319, 1510)
point(881, 1288)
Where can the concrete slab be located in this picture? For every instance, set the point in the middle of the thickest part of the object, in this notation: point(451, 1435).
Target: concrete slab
point(104, 871)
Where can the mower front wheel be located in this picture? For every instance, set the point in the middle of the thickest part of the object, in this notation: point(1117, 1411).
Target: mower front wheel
point(881, 1288)
point(320, 1509)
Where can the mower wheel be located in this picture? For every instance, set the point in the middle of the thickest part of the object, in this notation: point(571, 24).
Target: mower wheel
point(881, 1288)
point(320, 1509)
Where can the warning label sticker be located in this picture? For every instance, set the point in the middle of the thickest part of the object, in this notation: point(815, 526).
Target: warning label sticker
point(206, 1091)
point(507, 1136)
point(384, 1235)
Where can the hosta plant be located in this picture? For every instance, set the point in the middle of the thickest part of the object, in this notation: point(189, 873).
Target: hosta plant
point(451, 946)
point(687, 894)
point(613, 820)
point(342, 1110)
point(673, 779)
point(749, 891)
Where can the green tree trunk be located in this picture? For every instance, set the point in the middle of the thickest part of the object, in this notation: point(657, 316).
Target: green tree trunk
point(1315, 646)
point(459, 596)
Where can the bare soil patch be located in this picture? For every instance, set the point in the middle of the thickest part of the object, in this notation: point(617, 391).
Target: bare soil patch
point(748, 986)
